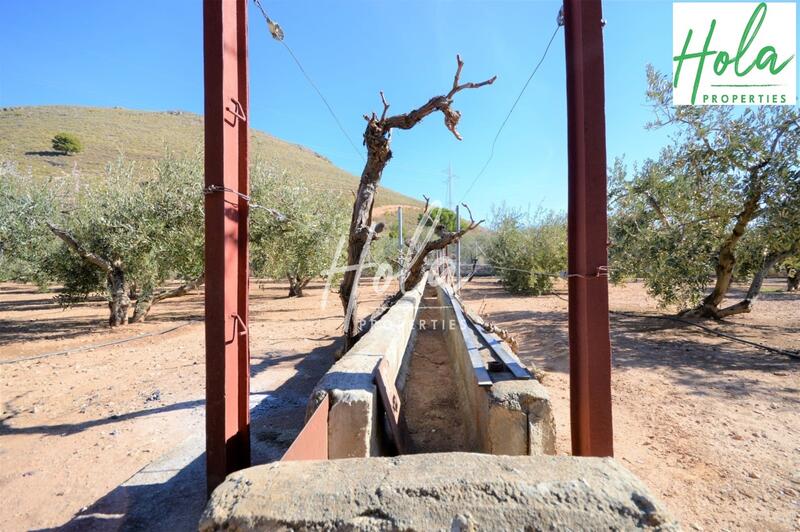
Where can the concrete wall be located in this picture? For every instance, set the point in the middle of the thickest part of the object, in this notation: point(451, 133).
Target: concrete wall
point(441, 491)
point(511, 417)
point(354, 426)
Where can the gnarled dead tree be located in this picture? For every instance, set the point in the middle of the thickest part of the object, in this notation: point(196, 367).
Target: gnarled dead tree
point(377, 138)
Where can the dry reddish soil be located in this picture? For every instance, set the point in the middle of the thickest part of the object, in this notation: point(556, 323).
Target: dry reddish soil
point(433, 413)
point(75, 426)
point(712, 426)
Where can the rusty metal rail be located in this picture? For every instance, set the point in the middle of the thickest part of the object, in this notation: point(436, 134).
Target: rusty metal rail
point(312, 442)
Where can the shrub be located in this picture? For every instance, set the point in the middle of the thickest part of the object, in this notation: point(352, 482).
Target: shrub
point(67, 144)
point(527, 253)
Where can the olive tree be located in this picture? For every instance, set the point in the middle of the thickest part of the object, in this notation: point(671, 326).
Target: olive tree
point(294, 230)
point(527, 253)
point(679, 219)
point(127, 233)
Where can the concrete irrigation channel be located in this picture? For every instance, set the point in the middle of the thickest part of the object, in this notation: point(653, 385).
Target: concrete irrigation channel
point(430, 422)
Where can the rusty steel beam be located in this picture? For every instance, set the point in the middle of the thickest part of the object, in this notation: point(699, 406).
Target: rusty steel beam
point(589, 344)
point(312, 442)
point(392, 404)
point(226, 290)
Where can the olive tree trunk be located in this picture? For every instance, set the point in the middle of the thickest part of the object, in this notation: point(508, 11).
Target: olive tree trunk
point(118, 302)
point(147, 299)
point(746, 304)
point(726, 259)
point(118, 299)
point(297, 284)
point(792, 280)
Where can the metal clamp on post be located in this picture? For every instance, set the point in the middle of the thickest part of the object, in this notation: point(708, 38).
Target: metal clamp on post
point(237, 112)
point(240, 322)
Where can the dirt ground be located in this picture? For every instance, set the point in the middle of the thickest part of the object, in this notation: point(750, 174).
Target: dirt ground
point(433, 414)
point(74, 426)
point(712, 426)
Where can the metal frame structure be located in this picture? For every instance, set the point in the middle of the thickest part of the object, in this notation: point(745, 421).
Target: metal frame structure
point(587, 223)
point(226, 253)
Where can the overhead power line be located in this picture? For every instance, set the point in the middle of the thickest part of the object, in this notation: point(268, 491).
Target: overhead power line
point(511, 111)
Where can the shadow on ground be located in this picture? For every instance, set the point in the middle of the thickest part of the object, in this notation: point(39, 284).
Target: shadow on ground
point(57, 327)
point(170, 493)
point(46, 153)
point(706, 364)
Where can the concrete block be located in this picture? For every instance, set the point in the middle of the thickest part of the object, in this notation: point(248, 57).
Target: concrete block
point(512, 416)
point(445, 491)
point(520, 406)
point(353, 420)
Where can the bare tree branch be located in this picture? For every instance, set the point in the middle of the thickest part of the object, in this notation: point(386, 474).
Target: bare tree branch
point(456, 87)
point(471, 219)
point(385, 107)
point(437, 103)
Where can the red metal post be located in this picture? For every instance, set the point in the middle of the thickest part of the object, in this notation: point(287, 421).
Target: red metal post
point(589, 344)
point(226, 165)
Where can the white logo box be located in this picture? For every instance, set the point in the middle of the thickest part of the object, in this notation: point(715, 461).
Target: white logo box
point(778, 29)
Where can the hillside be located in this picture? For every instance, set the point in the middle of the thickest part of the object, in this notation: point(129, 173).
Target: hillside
point(26, 132)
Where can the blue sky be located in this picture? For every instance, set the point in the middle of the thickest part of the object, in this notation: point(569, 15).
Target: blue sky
point(148, 55)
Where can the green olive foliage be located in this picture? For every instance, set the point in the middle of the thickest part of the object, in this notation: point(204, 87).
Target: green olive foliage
point(523, 249)
point(720, 197)
point(24, 241)
point(151, 226)
point(147, 225)
point(301, 246)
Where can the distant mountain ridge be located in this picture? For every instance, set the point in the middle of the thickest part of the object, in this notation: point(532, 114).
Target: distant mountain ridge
point(107, 133)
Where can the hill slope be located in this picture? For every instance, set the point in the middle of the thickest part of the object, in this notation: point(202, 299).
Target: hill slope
point(26, 132)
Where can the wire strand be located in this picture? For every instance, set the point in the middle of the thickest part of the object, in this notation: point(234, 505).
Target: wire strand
point(510, 112)
point(313, 85)
point(279, 216)
point(602, 271)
